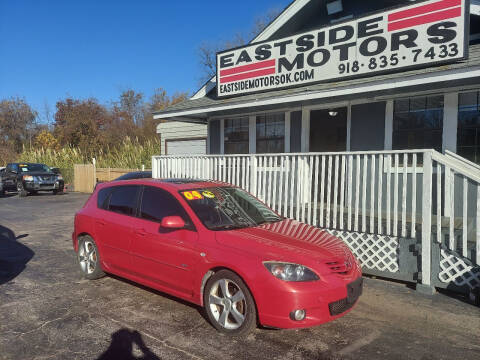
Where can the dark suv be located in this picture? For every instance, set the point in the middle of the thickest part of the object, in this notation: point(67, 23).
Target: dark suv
point(30, 178)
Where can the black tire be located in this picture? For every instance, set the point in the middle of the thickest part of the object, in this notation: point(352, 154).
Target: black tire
point(34, 192)
point(21, 190)
point(245, 307)
point(55, 192)
point(89, 260)
point(2, 193)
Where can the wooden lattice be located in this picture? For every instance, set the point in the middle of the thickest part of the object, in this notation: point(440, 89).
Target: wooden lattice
point(375, 252)
point(454, 269)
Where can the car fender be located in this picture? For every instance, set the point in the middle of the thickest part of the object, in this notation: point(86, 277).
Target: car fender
point(245, 266)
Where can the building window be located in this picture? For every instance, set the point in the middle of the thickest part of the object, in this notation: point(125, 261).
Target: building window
point(418, 123)
point(236, 136)
point(468, 135)
point(271, 133)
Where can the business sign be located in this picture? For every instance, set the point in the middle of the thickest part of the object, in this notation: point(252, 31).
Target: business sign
point(423, 34)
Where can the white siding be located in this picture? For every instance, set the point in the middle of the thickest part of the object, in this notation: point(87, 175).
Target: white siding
point(187, 147)
point(172, 130)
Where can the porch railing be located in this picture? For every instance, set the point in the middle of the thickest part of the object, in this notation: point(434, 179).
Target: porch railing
point(376, 201)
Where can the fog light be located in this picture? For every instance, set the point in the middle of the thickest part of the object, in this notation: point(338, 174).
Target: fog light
point(297, 315)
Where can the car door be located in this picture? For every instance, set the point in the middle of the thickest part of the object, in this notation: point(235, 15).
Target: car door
point(114, 225)
point(167, 258)
point(10, 175)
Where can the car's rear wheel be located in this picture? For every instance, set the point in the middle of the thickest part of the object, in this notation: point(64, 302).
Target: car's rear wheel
point(21, 190)
point(229, 304)
point(89, 258)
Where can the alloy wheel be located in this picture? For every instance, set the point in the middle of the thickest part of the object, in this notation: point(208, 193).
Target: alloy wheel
point(87, 257)
point(227, 304)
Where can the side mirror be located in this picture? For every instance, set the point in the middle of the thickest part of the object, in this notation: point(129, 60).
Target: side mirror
point(55, 170)
point(173, 223)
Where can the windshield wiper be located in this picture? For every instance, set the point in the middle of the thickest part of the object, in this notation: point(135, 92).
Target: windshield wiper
point(228, 227)
point(269, 221)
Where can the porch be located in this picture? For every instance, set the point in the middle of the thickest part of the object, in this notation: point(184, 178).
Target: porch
point(409, 215)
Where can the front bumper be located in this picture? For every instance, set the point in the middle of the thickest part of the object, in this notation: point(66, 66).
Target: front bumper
point(323, 301)
point(43, 186)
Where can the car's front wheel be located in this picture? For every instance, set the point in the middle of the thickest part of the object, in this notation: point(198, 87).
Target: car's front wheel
point(229, 304)
point(21, 190)
point(89, 258)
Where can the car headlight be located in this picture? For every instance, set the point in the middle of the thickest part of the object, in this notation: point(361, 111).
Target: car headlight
point(291, 272)
point(59, 177)
point(27, 178)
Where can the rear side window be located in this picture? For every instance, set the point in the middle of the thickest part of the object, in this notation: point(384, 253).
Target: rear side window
point(158, 203)
point(124, 200)
point(102, 198)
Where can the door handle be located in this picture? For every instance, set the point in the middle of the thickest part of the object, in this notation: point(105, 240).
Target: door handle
point(141, 232)
point(100, 222)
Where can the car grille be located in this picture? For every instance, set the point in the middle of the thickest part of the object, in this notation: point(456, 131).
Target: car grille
point(342, 266)
point(46, 178)
point(338, 267)
point(354, 290)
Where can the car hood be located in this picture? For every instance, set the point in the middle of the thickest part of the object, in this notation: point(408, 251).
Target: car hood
point(287, 240)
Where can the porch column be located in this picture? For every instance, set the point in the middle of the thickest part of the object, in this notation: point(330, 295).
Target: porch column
point(252, 134)
point(222, 136)
point(287, 131)
point(450, 122)
point(305, 145)
point(388, 125)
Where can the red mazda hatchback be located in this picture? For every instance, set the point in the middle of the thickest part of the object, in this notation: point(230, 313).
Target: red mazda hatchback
point(217, 246)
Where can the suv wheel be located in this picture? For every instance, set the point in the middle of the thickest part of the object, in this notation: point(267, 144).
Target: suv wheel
point(229, 304)
point(21, 190)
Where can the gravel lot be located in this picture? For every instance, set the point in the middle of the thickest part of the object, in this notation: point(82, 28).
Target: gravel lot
point(48, 312)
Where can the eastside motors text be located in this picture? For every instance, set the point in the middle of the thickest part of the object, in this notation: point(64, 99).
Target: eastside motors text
point(411, 36)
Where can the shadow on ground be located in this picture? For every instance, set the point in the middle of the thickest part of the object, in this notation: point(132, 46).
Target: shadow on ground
point(122, 347)
point(14, 256)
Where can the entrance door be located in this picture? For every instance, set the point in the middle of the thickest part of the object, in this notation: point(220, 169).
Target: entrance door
point(328, 130)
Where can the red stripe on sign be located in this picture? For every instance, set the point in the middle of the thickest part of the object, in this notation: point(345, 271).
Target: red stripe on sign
point(250, 67)
point(425, 9)
point(425, 19)
point(248, 75)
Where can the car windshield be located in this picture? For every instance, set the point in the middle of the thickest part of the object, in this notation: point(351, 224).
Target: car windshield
point(33, 167)
point(227, 208)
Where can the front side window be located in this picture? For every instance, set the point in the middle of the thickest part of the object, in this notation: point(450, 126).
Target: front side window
point(468, 134)
point(236, 136)
point(124, 200)
point(271, 133)
point(418, 123)
point(158, 203)
point(12, 167)
point(226, 208)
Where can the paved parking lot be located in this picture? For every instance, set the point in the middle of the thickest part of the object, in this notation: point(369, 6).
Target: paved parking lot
point(48, 312)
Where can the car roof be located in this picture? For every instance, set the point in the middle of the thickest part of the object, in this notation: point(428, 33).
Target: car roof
point(171, 184)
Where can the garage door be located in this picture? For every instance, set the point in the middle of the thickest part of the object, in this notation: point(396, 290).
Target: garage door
point(186, 147)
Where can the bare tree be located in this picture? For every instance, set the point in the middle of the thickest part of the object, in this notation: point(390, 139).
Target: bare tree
point(47, 115)
point(131, 104)
point(17, 122)
point(207, 51)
